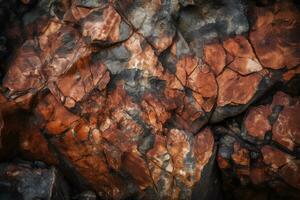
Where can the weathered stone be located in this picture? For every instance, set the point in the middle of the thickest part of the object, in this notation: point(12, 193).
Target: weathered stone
point(117, 93)
point(215, 57)
point(276, 48)
point(151, 19)
point(257, 123)
point(25, 73)
point(27, 181)
point(205, 22)
point(267, 139)
point(244, 61)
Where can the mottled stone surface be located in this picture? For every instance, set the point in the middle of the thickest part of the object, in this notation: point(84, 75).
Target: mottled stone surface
point(264, 150)
point(121, 96)
point(276, 48)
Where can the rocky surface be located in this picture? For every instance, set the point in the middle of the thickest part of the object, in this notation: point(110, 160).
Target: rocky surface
point(24, 180)
point(263, 151)
point(123, 96)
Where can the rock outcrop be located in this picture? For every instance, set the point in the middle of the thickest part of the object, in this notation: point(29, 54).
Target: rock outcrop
point(122, 96)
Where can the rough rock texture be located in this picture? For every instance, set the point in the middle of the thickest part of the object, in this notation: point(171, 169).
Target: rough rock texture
point(26, 181)
point(264, 151)
point(121, 96)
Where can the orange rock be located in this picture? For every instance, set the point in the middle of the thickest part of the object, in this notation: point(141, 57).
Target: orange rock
point(240, 155)
point(27, 64)
point(286, 129)
point(235, 89)
point(291, 74)
point(137, 168)
point(244, 61)
point(267, 36)
point(223, 163)
point(239, 46)
point(122, 95)
point(35, 147)
point(274, 157)
point(59, 118)
point(105, 26)
point(257, 123)
point(214, 56)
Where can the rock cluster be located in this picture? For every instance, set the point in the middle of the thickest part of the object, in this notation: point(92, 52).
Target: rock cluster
point(131, 99)
point(264, 149)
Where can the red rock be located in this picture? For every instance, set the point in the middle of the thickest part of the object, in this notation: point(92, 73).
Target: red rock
point(257, 123)
point(35, 147)
point(137, 168)
point(235, 89)
point(80, 80)
point(155, 112)
point(25, 72)
point(211, 52)
point(274, 157)
point(286, 129)
point(105, 26)
point(282, 99)
point(240, 155)
point(245, 66)
point(244, 61)
point(223, 163)
point(291, 74)
point(204, 91)
point(264, 146)
point(118, 93)
point(267, 36)
point(59, 118)
point(239, 46)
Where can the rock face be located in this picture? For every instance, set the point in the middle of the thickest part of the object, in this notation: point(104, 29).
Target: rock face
point(122, 96)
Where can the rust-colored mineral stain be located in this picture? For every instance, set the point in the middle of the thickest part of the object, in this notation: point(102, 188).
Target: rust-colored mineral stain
point(214, 56)
point(286, 129)
point(244, 60)
point(236, 89)
point(34, 146)
point(274, 157)
point(102, 28)
point(240, 155)
point(267, 36)
point(126, 96)
point(257, 123)
point(137, 168)
point(27, 64)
